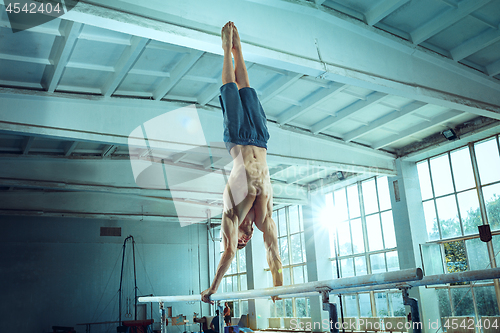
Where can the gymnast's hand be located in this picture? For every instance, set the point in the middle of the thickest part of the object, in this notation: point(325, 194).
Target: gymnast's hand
point(205, 295)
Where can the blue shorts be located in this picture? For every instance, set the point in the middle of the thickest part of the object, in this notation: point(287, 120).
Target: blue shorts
point(245, 122)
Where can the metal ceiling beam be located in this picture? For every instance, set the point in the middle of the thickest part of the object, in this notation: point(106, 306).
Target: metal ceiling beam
point(310, 102)
point(445, 19)
point(60, 53)
point(415, 129)
point(494, 68)
point(80, 118)
point(379, 63)
point(28, 142)
point(383, 121)
point(279, 85)
point(19, 58)
point(184, 65)
point(348, 111)
point(70, 148)
point(475, 44)
point(198, 198)
point(382, 10)
point(100, 216)
point(210, 92)
point(124, 64)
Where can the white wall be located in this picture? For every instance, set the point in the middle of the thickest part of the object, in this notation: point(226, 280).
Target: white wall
point(60, 272)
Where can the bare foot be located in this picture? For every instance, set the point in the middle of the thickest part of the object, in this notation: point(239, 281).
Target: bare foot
point(236, 40)
point(227, 36)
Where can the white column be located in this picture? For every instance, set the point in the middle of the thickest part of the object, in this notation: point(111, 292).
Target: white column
point(410, 229)
point(317, 254)
point(258, 309)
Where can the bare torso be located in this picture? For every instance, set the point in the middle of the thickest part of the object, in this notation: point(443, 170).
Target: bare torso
point(250, 183)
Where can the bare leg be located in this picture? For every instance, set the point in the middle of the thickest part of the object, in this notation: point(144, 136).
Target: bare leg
point(227, 45)
point(240, 70)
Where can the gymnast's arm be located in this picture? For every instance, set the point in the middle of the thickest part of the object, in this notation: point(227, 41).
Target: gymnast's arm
point(272, 249)
point(230, 243)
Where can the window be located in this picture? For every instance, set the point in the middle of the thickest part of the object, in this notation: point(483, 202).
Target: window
point(360, 210)
point(452, 210)
point(450, 200)
point(293, 257)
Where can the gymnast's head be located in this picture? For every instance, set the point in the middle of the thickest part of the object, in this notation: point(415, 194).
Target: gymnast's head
point(245, 233)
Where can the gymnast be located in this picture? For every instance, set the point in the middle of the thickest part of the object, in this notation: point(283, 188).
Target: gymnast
point(248, 196)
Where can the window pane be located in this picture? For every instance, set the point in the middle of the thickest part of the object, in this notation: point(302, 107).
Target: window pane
point(383, 193)
point(242, 261)
point(298, 274)
point(284, 250)
point(340, 205)
point(357, 236)
point(431, 220)
point(397, 305)
point(431, 257)
point(444, 302)
point(392, 261)
point(488, 161)
point(448, 216)
point(347, 268)
point(243, 282)
point(229, 284)
point(351, 306)
point(288, 308)
point(462, 169)
point(224, 285)
point(468, 204)
point(282, 222)
point(441, 175)
point(360, 263)
point(373, 229)
point(388, 229)
point(293, 215)
point(353, 201)
point(286, 276)
point(496, 247)
point(462, 301)
point(369, 196)
point(486, 301)
point(492, 199)
point(381, 304)
point(301, 221)
point(344, 238)
point(296, 249)
point(477, 253)
point(454, 253)
point(377, 263)
point(365, 307)
point(279, 308)
point(232, 268)
point(334, 268)
point(300, 307)
point(236, 309)
point(272, 308)
point(244, 307)
point(303, 244)
point(235, 282)
point(424, 179)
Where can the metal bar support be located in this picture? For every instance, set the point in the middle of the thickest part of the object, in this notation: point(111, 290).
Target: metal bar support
point(415, 314)
point(332, 311)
